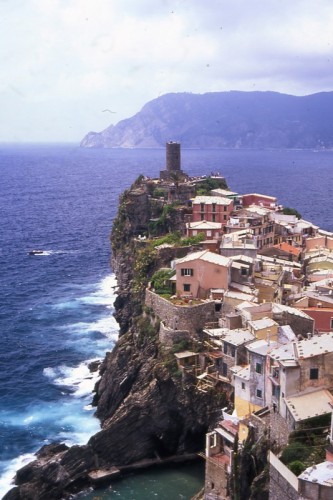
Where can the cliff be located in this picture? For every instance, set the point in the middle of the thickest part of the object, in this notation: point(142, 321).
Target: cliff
point(225, 120)
point(148, 412)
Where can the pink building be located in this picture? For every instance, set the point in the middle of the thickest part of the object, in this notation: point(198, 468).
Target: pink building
point(199, 272)
point(212, 209)
point(261, 200)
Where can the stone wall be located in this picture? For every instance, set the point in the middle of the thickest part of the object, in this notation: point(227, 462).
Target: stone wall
point(298, 324)
point(282, 482)
point(191, 318)
point(272, 423)
point(169, 336)
point(279, 431)
point(216, 481)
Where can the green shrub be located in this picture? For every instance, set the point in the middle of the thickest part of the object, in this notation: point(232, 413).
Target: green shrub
point(192, 240)
point(294, 451)
point(160, 193)
point(159, 280)
point(204, 188)
point(291, 211)
point(297, 467)
point(170, 239)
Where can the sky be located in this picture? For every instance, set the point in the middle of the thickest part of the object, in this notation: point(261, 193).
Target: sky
point(72, 66)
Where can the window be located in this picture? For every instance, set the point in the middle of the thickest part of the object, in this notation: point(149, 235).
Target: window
point(244, 271)
point(209, 233)
point(225, 348)
point(233, 351)
point(224, 217)
point(243, 386)
point(187, 288)
point(224, 369)
point(186, 272)
point(314, 372)
point(213, 207)
point(258, 367)
point(213, 217)
point(331, 327)
point(202, 207)
point(225, 208)
point(259, 393)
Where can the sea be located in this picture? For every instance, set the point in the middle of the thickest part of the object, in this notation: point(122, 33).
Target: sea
point(56, 308)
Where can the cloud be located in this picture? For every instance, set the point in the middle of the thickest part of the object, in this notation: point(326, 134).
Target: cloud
point(93, 54)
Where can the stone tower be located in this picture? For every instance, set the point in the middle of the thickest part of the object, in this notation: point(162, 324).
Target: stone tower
point(173, 164)
point(173, 156)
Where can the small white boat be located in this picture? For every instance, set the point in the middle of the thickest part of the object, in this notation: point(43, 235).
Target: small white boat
point(36, 252)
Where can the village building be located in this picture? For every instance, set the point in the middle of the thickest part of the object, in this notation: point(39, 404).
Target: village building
point(255, 219)
point(211, 230)
point(284, 251)
point(227, 194)
point(301, 374)
point(212, 209)
point(260, 200)
point(199, 272)
point(225, 349)
point(238, 243)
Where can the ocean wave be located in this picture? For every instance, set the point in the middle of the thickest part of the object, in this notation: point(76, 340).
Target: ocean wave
point(79, 380)
point(104, 293)
point(9, 469)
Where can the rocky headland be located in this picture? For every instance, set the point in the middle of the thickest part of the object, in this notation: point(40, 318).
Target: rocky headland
point(149, 413)
point(224, 120)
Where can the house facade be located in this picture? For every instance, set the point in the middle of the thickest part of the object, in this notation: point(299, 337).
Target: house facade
point(199, 272)
point(212, 209)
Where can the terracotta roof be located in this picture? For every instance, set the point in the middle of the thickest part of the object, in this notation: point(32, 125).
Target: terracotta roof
point(285, 247)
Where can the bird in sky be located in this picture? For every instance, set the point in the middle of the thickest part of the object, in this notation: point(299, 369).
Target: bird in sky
point(108, 110)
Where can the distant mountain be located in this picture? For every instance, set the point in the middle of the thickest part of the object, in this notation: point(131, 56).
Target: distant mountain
point(225, 120)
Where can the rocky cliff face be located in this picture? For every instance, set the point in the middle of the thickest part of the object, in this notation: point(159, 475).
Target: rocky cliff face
point(147, 410)
point(225, 120)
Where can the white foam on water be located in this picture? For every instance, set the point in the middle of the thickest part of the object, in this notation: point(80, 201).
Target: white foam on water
point(107, 326)
point(104, 294)
point(78, 379)
point(70, 420)
point(9, 470)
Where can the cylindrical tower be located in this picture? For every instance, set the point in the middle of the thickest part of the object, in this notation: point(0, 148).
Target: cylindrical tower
point(172, 156)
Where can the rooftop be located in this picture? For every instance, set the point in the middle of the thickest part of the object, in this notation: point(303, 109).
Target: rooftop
point(204, 224)
point(260, 324)
point(223, 192)
point(243, 373)
point(319, 344)
point(235, 337)
point(261, 347)
point(265, 196)
point(208, 200)
point(241, 296)
point(280, 308)
point(185, 354)
point(320, 473)
point(283, 352)
point(312, 404)
point(285, 247)
point(206, 256)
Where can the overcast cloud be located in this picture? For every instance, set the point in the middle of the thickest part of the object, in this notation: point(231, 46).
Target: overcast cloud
point(65, 61)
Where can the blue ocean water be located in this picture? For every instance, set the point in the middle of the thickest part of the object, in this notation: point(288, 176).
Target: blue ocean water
point(56, 308)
